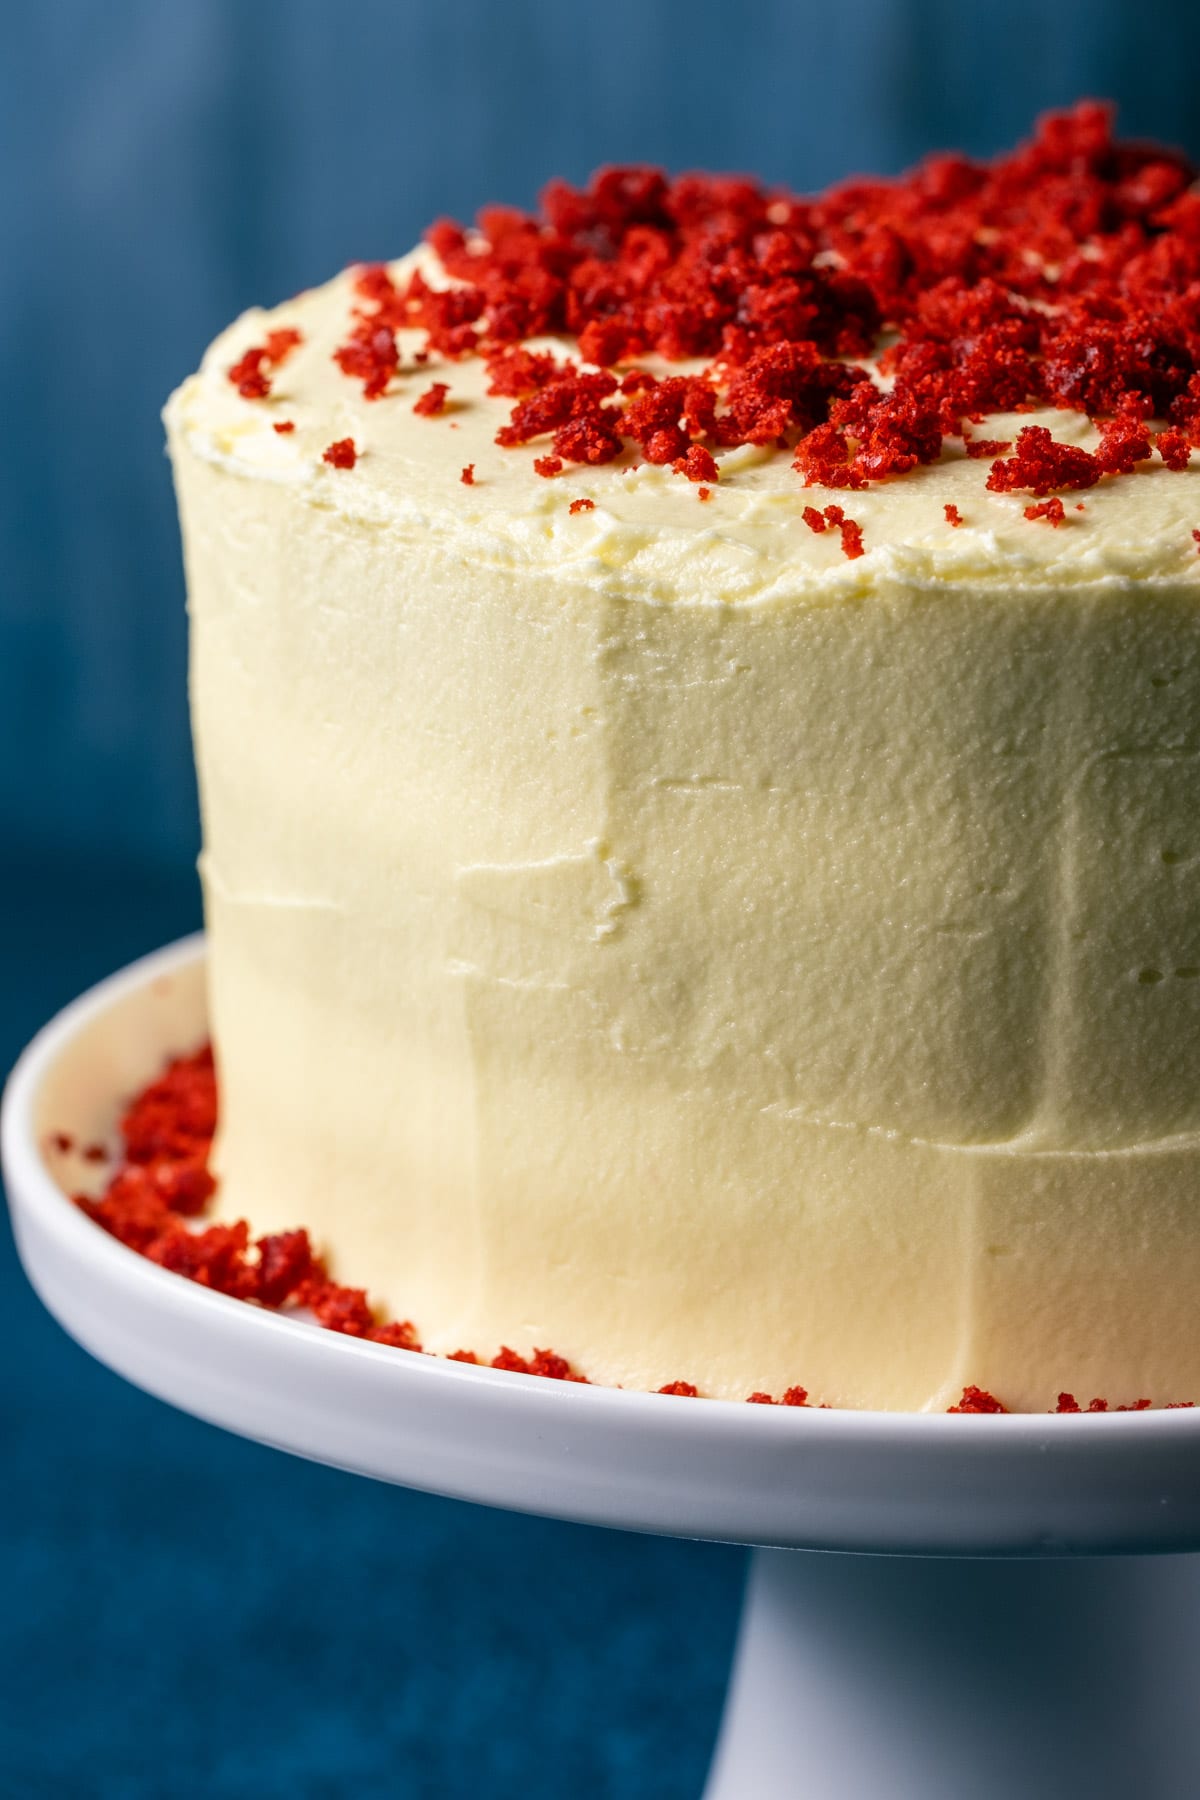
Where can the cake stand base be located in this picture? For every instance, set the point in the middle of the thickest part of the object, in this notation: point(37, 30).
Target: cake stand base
point(1059, 1670)
point(905, 1678)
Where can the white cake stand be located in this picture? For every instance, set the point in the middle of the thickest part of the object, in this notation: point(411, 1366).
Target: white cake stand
point(1051, 1670)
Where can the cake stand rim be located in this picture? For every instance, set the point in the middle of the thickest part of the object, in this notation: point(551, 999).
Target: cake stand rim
point(60, 1245)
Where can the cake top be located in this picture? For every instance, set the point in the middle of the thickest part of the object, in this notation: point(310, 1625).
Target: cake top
point(974, 369)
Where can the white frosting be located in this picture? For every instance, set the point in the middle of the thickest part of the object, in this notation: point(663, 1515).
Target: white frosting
point(648, 933)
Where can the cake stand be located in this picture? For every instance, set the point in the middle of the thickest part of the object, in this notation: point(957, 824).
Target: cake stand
point(990, 1646)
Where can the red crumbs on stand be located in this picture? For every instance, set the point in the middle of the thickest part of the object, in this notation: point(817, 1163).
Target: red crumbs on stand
point(163, 1180)
point(341, 455)
point(977, 1400)
point(283, 426)
point(1062, 274)
point(578, 506)
point(467, 477)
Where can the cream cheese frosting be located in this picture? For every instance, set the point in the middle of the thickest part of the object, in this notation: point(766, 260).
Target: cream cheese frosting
point(645, 931)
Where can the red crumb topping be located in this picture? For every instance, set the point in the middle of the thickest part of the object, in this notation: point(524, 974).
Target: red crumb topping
point(704, 493)
point(370, 354)
point(953, 516)
point(343, 454)
point(467, 477)
point(283, 426)
point(578, 506)
point(1062, 274)
point(1051, 510)
point(1174, 448)
point(162, 1181)
point(697, 465)
point(813, 519)
point(249, 373)
point(1196, 536)
point(548, 465)
point(433, 400)
point(977, 1400)
point(852, 538)
point(1041, 464)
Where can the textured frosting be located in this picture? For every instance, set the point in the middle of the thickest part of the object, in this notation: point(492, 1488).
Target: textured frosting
point(647, 932)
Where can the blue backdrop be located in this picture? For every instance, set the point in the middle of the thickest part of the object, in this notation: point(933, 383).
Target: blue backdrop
point(184, 1613)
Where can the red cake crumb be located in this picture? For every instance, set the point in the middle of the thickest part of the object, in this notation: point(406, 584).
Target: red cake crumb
point(163, 1180)
point(467, 476)
point(1040, 464)
point(1174, 448)
point(283, 426)
point(248, 374)
point(578, 506)
point(1052, 511)
point(542, 1362)
point(953, 516)
point(370, 354)
point(433, 400)
point(698, 465)
point(814, 519)
point(338, 1308)
point(548, 465)
point(852, 538)
point(399, 1335)
point(981, 448)
point(977, 1400)
point(343, 454)
point(1124, 442)
point(1196, 536)
point(704, 493)
point(285, 1260)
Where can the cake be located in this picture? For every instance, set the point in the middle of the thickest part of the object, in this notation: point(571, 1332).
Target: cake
point(707, 876)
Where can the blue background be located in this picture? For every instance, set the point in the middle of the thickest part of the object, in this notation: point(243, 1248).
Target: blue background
point(184, 1613)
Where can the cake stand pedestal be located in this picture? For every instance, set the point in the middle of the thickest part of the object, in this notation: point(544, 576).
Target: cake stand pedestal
point(914, 1670)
